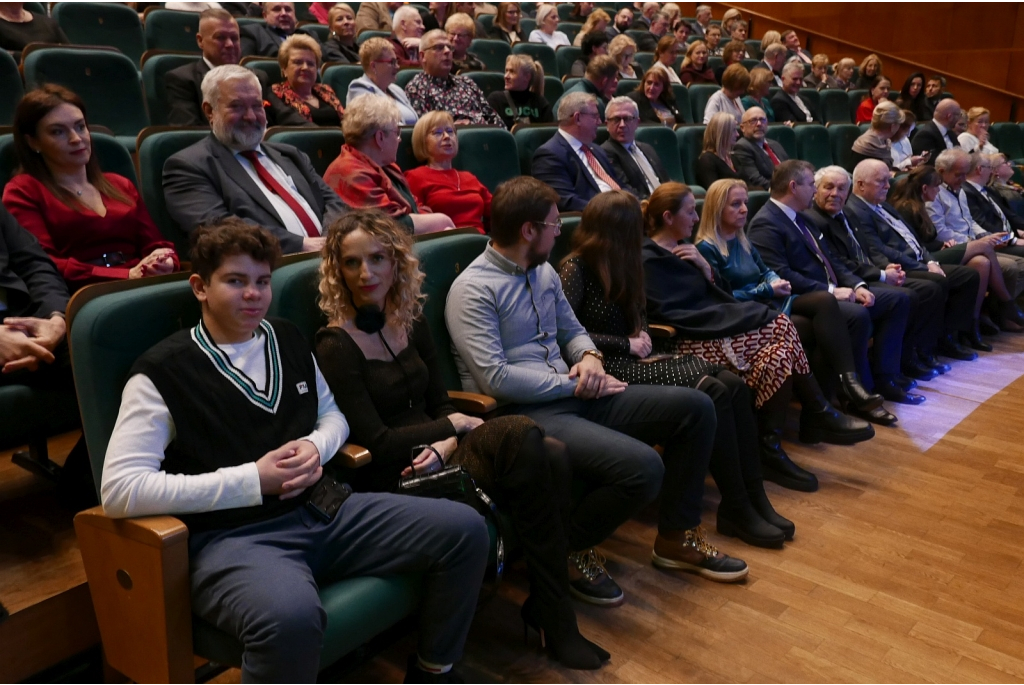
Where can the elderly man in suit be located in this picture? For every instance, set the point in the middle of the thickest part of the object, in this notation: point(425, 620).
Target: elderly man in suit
point(219, 40)
point(660, 26)
point(570, 162)
point(755, 156)
point(702, 21)
point(774, 59)
point(788, 104)
point(987, 206)
point(265, 39)
point(636, 162)
point(233, 173)
point(799, 254)
point(937, 136)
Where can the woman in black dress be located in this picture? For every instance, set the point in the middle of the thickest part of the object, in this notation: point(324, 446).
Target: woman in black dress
point(603, 282)
point(715, 161)
point(378, 357)
point(506, 23)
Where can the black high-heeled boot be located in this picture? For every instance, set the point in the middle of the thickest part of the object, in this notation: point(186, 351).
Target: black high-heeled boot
point(821, 422)
point(741, 520)
point(776, 466)
point(763, 506)
point(559, 635)
point(856, 394)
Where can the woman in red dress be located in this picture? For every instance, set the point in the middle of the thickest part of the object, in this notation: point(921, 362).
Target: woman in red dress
point(92, 224)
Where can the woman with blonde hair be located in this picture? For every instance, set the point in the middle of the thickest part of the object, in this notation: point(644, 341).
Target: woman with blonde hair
point(547, 31)
point(458, 194)
point(506, 23)
point(751, 339)
point(976, 137)
point(299, 58)
point(844, 73)
point(380, 65)
point(875, 143)
point(597, 20)
point(695, 67)
point(377, 355)
point(715, 161)
point(622, 49)
point(731, 16)
point(340, 45)
point(769, 38)
point(870, 68)
point(461, 29)
point(522, 100)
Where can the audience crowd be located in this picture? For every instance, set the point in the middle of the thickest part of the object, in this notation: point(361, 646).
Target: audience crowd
point(677, 316)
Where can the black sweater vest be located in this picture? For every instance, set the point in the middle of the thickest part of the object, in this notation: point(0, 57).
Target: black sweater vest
point(222, 420)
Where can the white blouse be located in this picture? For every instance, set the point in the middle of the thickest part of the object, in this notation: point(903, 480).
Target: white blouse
point(554, 41)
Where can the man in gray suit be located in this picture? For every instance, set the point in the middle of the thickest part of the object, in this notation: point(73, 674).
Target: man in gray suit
point(233, 173)
point(638, 163)
point(754, 155)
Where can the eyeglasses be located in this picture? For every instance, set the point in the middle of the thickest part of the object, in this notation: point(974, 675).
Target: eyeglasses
point(757, 120)
point(453, 36)
point(594, 114)
point(393, 61)
point(437, 48)
point(440, 132)
point(615, 121)
point(557, 224)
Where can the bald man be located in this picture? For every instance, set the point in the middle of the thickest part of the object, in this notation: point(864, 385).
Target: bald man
point(755, 156)
point(937, 135)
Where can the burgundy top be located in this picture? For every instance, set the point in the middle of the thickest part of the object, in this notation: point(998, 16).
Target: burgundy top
point(75, 237)
point(459, 194)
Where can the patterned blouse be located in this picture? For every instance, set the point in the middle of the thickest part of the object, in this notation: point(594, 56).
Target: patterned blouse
point(322, 91)
point(457, 95)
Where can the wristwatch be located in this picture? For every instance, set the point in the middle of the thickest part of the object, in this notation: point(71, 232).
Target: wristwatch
point(593, 353)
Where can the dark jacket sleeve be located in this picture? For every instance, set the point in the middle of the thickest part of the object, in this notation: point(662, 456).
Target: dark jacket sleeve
point(744, 158)
point(547, 167)
point(772, 243)
point(33, 266)
point(181, 94)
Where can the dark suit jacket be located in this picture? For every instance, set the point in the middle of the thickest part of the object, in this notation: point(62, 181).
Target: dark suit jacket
point(260, 39)
point(842, 245)
point(648, 42)
point(786, 109)
point(890, 247)
point(556, 164)
point(626, 167)
point(184, 88)
point(205, 183)
point(33, 285)
point(985, 214)
point(785, 252)
point(927, 137)
point(753, 164)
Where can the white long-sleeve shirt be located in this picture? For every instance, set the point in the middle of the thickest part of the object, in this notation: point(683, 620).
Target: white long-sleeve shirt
point(134, 485)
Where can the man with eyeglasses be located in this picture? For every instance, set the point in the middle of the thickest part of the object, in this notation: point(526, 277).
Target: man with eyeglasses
point(438, 89)
point(987, 206)
point(570, 162)
point(636, 162)
point(755, 156)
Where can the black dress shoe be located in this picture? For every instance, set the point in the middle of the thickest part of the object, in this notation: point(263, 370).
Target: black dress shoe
point(856, 394)
point(879, 416)
point(894, 393)
point(781, 469)
point(974, 341)
point(747, 525)
point(905, 383)
point(949, 348)
point(833, 427)
point(764, 507)
point(921, 370)
point(930, 361)
point(986, 326)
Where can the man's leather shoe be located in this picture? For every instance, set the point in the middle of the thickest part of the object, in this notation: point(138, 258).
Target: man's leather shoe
point(949, 348)
point(904, 382)
point(833, 427)
point(879, 416)
point(930, 361)
point(894, 393)
point(856, 394)
point(781, 469)
point(974, 341)
point(922, 371)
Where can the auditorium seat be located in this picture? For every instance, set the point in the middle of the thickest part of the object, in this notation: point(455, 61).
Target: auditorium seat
point(754, 48)
point(155, 65)
point(491, 52)
point(570, 81)
point(366, 35)
point(690, 140)
point(812, 96)
point(405, 158)
point(541, 53)
point(91, 73)
point(714, 62)
point(489, 81)
point(321, 144)
point(528, 139)
point(489, 153)
point(155, 147)
point(564, 11)
point(1009, 138)
point(626, 85)
point(643, 60)
point(700, 93)
point(750, 63)
point(841, 138)
point(564, 58)
point(637, 35)
point(171, 29)
point(102, 23)
point(856, 97)
point(113, 156)
point(835, 106)
point(486, 20)
point(784, 136)
point(569, 28)
point(268, 65)
point(756, 199)
point(682, 95)
point(11, 88)
point(563, 243)
point(663, 140)
point(338, 76)
point(321, 31)
point(405, 75)
point(813, 145)
point(553, 89)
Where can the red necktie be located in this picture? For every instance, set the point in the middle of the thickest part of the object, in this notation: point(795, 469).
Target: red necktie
point(598, 170)
point(282, 192)
point(771, 154)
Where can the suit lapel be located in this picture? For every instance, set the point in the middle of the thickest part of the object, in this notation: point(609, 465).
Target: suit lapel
point(579, 162)
point(233, 168)
point(629, 164)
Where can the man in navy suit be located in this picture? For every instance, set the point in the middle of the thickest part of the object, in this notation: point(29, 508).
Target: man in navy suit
point(937, 135)
point(570, 162)
point(798, 253)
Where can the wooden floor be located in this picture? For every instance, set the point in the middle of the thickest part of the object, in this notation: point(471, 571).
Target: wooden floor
point(906, 567)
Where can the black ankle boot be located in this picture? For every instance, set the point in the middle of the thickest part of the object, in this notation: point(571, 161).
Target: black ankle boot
point(559, 634)
point(763, 506)
point(855, 393)
point(741, 520)
point(776, 466)
point(821, 422)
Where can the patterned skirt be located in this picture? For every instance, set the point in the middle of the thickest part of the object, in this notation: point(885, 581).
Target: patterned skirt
point(764, 358)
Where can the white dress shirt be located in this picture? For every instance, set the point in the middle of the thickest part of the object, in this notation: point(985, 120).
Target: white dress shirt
point(803, 108)
point(577, 147)
point(288, 217)
point(645, 165)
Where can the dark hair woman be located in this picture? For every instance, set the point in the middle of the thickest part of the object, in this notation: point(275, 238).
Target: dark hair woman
point(603, 281)
point(912, 97)
point(655, 100)
point(92, 224)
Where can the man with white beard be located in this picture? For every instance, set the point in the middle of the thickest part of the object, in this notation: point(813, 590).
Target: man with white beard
point(233, 173)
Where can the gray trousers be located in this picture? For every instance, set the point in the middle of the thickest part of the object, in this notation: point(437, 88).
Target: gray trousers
point(259, 582)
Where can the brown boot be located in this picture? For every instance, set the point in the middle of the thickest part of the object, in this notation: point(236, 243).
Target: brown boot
point(687, 550)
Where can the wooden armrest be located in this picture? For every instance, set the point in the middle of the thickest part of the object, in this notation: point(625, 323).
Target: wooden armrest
point(657, 330)
point(139, 581)
point(471, 402)
point(354, 456)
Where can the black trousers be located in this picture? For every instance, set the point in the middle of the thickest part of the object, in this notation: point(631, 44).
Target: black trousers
point(886, 321)
point(960, 289)
point(927, 311)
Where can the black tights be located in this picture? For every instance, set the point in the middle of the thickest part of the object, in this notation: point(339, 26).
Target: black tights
point(823, 333)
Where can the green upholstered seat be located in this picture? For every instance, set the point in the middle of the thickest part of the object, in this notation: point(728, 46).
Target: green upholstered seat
point(682, 96)
point(835, 106)
point(785, 137)
point(756, 199)
point(813, 145)
point(321, 145)
point(338, 76)
point(405, 75)
point(11, 88)
point(563, 243)
point(488, 81)
point(564, 57)
point(171, 30)
point(841, 137)
point(488, 153)
point(1009, 138)
point(296, 294)
point(569, 28)
point(553, 90)
point(491, 52)
point(539, 52)
point(643, 61)
point(154, 151)
point(626, 85)
point(528, 139)
point(366, 35)
point(700, 93)
point(271, 67)
point(102, 23)
point(154, 69)
point(690, 140)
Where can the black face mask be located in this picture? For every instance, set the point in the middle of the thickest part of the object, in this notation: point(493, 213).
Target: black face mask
point(369, 319)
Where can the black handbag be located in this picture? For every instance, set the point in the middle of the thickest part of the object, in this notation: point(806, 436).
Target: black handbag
point(453, 482)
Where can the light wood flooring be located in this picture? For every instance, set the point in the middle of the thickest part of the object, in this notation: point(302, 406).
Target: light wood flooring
point(906, 567)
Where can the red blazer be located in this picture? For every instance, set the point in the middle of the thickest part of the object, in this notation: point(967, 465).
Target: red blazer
point(865, 110)
point(361, 183)
point(459, 194)
point(74, 237)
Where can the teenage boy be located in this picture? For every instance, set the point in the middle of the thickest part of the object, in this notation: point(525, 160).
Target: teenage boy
point(227, 425)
